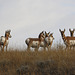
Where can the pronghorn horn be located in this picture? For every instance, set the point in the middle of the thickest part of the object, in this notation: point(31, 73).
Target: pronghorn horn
point(74, 29)
point(45, 32)
point(60, 30)
point(49, 33)
point(64, 30)
point(7, 31)
point(69, 29)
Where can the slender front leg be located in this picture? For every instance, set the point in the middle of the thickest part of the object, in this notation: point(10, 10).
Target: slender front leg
point(6, 48)
point(28, 48)
point(3, 46)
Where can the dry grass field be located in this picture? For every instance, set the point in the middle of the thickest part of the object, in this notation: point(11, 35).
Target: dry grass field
point(53, 62)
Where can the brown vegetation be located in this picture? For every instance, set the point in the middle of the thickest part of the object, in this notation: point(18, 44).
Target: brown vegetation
point(53, 62)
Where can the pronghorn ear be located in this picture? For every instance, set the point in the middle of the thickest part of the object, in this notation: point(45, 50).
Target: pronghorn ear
point(49, 33)
point(60, 30)
point(10, 30)
point(69, 29)
point(64, 30)
point(53, 38)
point(45, 32)
point(73, 29)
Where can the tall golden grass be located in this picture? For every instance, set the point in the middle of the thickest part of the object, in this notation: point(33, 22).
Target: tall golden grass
point(52, 62)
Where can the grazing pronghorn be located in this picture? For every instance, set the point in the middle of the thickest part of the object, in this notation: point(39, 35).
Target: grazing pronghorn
point(69, 41)
point(4, 40)
point(71, 32)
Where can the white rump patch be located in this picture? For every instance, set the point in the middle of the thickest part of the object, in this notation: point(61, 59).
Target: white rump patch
point(27, 40)
point(72, 42)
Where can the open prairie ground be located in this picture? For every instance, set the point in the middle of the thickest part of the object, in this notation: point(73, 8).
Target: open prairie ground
point(23, 62)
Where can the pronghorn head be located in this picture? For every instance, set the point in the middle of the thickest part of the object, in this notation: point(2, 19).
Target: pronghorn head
point(51, 35)
point(71, 32)
point(47, 34)
point(7, 33)
point(62, 33)
point(42, 35)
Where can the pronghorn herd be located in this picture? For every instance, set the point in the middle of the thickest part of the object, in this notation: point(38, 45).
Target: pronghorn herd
point(44, 40)
point(69, 41)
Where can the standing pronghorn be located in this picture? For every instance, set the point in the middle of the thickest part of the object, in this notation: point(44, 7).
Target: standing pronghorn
point(49, 39)
point(34, 42)
point(69, 41)
point(71, 32)
point(44, 40)
point(4, 40)
point(44, 43)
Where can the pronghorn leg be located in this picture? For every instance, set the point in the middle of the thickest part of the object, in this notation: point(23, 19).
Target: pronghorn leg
point(3, 49)
point(6, 48)
point(44, 48)
point(28, 48)
point(47, 47)
point(36, 49)
point(0, 47)
point(3, 46)
point(50, 46)
point(66, 48)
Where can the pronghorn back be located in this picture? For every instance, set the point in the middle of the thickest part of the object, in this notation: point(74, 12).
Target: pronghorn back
point(69, 40)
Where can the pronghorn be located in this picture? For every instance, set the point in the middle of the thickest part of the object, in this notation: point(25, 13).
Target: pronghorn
point(4, 40)
point(42, 41)
point(69, 41)
point(71, 32)
point(49, 39)
point(34, 42)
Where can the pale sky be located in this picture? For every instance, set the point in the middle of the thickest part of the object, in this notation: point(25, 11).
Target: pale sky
point(27, 18)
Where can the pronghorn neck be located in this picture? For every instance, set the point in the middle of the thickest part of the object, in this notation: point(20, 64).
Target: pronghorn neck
point(71, 34)
point(7, 38)
point(64, 38)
